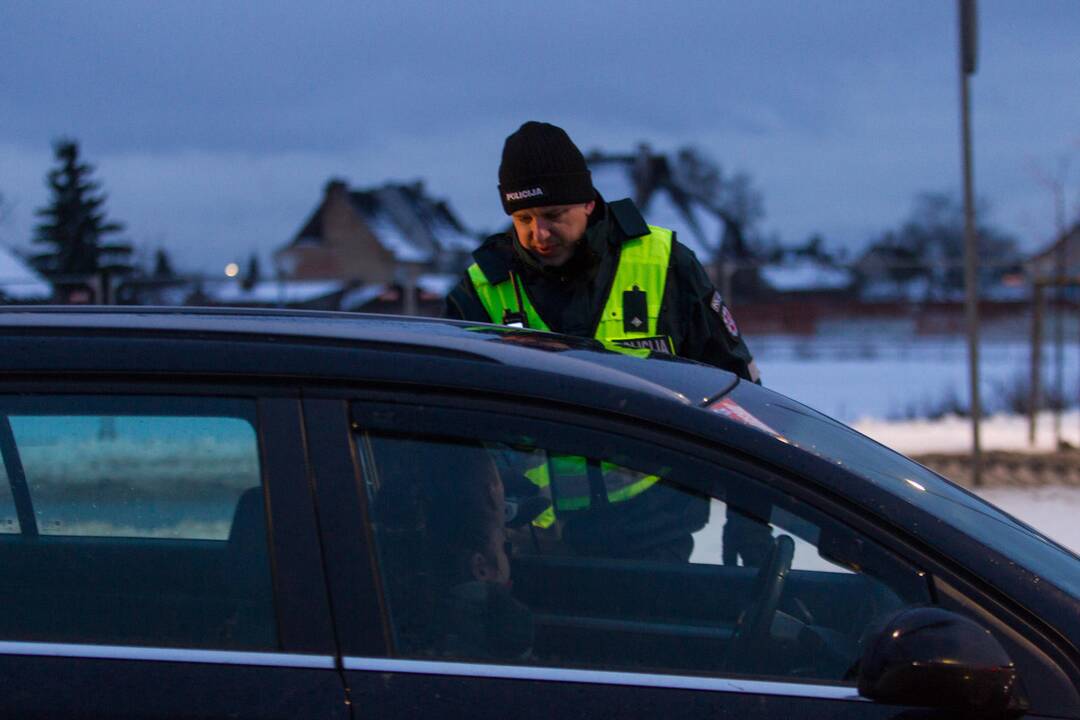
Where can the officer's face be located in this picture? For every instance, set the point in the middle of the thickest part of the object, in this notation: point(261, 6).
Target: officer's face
point(552, 232)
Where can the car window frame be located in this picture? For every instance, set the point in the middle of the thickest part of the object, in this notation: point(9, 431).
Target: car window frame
point(1049, 655)
point(304, 627)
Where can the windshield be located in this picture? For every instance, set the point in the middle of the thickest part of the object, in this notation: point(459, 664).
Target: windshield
point(827, 438)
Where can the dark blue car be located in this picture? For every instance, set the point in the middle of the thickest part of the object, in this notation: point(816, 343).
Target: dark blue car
point(269, 514)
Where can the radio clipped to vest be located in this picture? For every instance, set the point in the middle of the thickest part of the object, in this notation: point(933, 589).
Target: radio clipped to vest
point(635, 307)
point(513, 319)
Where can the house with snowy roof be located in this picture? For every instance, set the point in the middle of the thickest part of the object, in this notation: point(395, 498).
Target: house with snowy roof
point(377, 241)
point(647, 178)
point(19, 283)
point(666, 193)
point(802, 276)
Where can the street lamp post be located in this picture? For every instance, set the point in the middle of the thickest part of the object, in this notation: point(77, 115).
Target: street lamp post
point(968, 55)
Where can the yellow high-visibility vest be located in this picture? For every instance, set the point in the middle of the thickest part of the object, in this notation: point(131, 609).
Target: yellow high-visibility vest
point(643, 266)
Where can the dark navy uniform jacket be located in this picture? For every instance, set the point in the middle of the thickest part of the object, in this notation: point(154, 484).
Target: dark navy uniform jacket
point(571, 297)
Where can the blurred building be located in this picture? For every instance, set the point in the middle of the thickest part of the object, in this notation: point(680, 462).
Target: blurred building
point(19, 283)
point(388, 246)
point(1059, 260)
point(671, 194)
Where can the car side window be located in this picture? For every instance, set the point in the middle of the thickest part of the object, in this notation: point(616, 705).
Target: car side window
point(634, 560)
point(137, 520)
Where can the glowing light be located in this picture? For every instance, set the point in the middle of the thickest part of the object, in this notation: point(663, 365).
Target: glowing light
point(232, 270)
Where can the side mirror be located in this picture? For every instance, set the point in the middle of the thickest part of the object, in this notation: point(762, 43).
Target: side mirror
point(929, 657)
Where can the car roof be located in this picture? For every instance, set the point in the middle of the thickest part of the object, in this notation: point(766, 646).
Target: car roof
point(680, 381)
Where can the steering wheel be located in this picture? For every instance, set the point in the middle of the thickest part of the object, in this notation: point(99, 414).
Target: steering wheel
point(749, 641)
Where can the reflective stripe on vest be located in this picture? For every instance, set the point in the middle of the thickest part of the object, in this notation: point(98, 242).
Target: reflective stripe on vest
point(573, 491)
point(643, 265)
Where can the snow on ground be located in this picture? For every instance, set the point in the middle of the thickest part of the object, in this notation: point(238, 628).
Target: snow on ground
point(1050, 510)
point(860, 375)
point(869, 376)
point(952, 434)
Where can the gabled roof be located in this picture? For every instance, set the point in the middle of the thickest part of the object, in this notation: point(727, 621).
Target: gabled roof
point(409, 223)
point(312, 230)
point(647, 179)
point(413, 226)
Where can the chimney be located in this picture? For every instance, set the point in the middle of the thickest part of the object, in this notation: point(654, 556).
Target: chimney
point(335, 186)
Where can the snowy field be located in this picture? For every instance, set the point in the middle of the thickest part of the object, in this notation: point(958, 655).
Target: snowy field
point(952, 434)
point(1052, 509)
point(850, 378)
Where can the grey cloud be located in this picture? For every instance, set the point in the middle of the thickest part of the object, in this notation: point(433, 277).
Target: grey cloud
point(216, 123)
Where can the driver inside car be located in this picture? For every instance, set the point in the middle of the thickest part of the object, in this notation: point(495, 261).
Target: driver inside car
point(459, 598)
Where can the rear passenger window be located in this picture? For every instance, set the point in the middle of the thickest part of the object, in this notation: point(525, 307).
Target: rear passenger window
point(134, 520)
point(136, 475)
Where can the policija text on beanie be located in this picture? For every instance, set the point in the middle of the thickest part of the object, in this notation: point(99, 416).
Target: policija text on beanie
point(542, 166)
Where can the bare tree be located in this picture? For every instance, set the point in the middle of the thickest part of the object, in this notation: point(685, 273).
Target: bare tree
point(1054, 182)
point(733, 196)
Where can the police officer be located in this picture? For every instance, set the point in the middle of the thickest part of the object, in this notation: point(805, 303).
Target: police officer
point(575, 264)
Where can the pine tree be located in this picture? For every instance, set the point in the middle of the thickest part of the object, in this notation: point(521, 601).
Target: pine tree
point(74, 224)
point(251, 277)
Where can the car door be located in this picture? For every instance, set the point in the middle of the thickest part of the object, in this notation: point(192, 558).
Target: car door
point(529, 561)
point(160, 554)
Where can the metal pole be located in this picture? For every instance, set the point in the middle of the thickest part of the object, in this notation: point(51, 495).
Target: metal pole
point(966, 10)
point(409, 304)
point(1036, 361)
point(1059, 337)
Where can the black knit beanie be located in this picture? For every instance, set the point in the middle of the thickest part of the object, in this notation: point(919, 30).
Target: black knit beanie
point(542, 166)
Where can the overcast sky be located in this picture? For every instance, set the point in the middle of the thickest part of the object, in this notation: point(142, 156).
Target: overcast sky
point(214, 125)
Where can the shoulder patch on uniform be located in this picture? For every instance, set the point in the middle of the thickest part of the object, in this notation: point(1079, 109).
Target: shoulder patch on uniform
point(628, 217)
point(718, 307)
